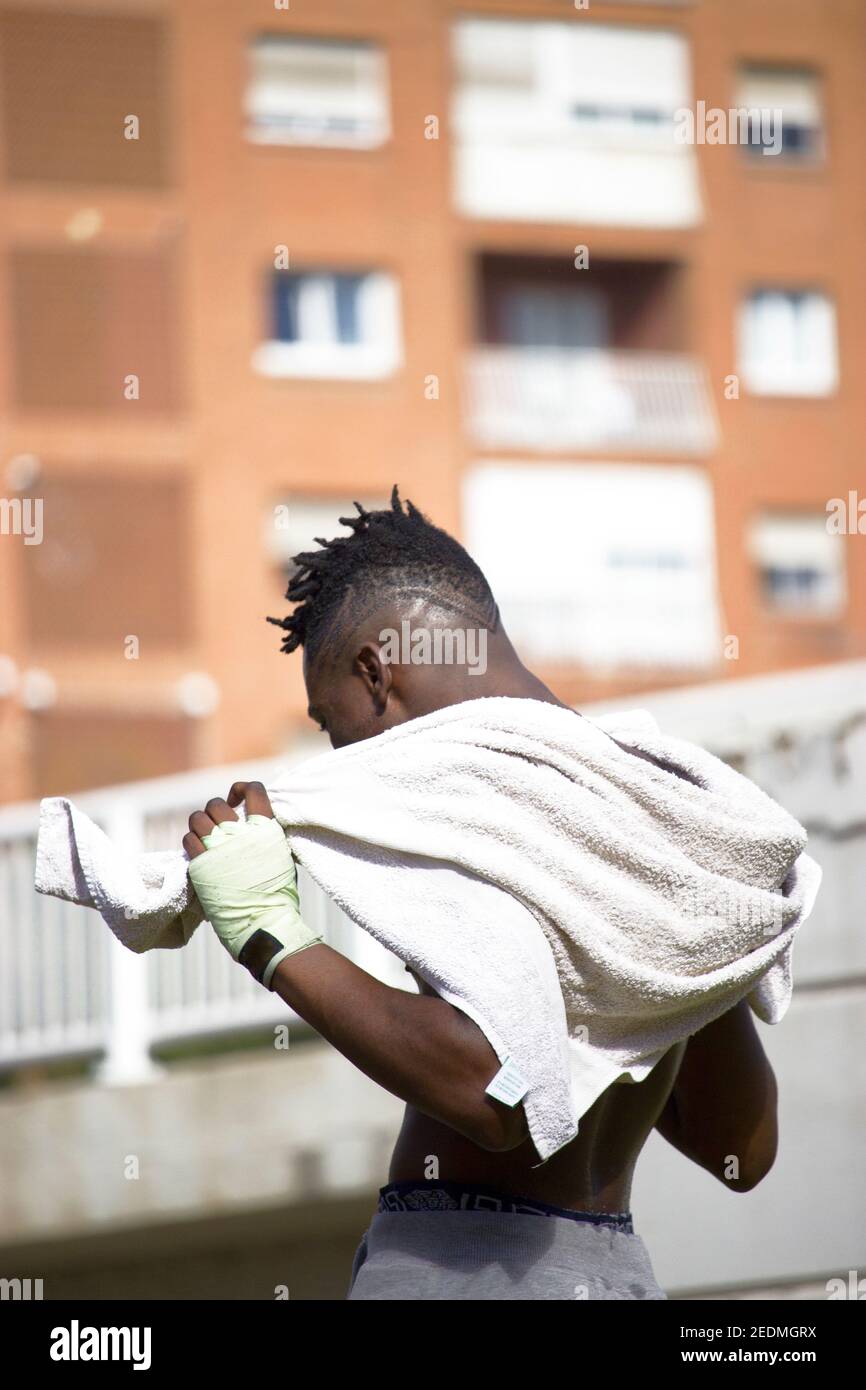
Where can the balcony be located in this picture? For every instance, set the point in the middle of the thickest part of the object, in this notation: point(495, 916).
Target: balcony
point(551, 399)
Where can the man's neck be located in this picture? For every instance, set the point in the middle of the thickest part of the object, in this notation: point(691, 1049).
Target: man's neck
point(507, 678)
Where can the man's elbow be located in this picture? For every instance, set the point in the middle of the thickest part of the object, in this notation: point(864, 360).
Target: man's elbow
point(743, 1172)
point(750, 1175)
point(500, 1128)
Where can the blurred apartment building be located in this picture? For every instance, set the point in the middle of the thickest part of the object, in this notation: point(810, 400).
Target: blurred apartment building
point(261, 261)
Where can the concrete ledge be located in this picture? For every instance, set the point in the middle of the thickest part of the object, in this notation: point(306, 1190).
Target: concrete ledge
point(216, 1138)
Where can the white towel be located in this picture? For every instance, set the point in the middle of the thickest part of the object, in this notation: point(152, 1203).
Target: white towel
point(586, 907)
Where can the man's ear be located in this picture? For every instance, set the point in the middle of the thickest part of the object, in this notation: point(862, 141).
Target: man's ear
point(376, 674)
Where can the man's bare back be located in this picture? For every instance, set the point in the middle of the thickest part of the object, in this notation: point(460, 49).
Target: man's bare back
point(592, 1173)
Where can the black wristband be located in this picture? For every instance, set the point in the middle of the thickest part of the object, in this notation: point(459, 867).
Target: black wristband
point(258, 952)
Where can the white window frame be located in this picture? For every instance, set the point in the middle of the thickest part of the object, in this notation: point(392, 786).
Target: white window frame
point(308, 119)
point(540, 99)
point(557, 121)
point(378, 354)
point(766, 370)
point(779, 539)
point(793, 91)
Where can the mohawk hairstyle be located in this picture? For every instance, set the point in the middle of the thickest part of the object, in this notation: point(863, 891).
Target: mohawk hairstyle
point(389, 554)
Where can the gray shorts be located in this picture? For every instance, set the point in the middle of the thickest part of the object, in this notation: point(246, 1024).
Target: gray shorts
point(492, 1255)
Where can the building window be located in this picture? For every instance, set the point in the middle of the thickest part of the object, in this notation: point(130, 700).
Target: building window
point(317, 92)
point(584, 362)
point(84, 320)
point(788, 343)
point(561, 121)
point(553, 316)
point(94, 578)
point(594, 75)
point(617, 562)
point(801, 565)
point(784, 113)
point(69, 83)
point(326, 323)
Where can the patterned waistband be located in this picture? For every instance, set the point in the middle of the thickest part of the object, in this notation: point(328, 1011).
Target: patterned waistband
point(437, 1195)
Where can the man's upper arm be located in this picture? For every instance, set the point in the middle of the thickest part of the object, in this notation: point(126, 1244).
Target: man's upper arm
point(508, 1126)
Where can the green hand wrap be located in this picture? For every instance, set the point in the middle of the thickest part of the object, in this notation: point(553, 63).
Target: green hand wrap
point(246, 884)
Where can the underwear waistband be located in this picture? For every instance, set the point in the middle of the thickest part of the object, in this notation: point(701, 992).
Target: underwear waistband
point(434, 1194)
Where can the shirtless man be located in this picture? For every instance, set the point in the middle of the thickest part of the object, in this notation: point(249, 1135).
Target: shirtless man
point(712, 1096)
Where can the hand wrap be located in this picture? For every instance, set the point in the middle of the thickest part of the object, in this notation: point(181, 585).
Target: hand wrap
point(247, 886)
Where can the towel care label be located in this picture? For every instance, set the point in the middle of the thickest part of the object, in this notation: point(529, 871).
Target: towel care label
point(509, 1084)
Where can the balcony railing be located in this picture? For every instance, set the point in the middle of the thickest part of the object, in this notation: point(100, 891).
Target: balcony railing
point(69, 990)
point(550, 400)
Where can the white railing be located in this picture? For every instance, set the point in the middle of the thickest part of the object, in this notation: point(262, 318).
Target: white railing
point(68, 989)
point(554, 399)
point(644, 621)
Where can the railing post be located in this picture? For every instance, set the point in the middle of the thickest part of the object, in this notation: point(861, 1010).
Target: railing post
point(127, 1060)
